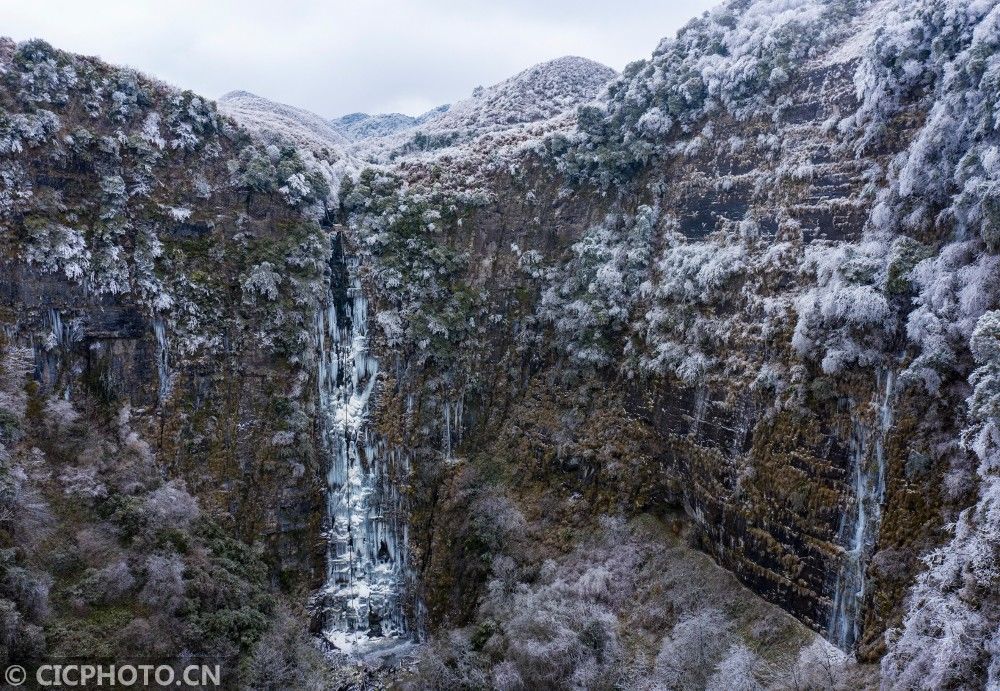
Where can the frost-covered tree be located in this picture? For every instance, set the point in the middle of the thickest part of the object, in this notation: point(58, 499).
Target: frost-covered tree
point(846, 319)
point(590, 300)
point(736, 672)
point(689, 276)
point(693, 649)
point(57, 248)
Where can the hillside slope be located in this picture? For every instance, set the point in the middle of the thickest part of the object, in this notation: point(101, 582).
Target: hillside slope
point(321, 145)
point(541, 94)
point(361, 126)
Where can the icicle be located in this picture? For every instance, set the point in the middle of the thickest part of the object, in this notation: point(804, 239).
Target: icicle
point(366, 569)
point(162, 358)
point(447, 429)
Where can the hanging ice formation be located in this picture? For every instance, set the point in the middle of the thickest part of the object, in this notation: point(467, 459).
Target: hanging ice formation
point(51, 353)
point(362, 599)
point(451, 426)
point(162, 358)
point(859, 525)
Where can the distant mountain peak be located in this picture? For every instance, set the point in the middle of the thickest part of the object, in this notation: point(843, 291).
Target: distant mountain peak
point(273, 120)
point(537, 94)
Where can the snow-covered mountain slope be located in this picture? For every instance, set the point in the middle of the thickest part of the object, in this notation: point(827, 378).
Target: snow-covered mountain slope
point(538, 93)
point(545, 92)
point(274, 121)
point(321, 146)
point(360, 126)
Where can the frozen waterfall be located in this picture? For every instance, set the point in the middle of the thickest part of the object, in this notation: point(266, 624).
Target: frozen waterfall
point(366, 530)
point(859, 525)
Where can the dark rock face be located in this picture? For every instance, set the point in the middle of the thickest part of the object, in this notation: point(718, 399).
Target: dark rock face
point(107, 350)
point(766, 486)
point(753, 487)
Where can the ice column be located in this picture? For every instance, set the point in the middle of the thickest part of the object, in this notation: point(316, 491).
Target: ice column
point(362, 599)
point(860, 523)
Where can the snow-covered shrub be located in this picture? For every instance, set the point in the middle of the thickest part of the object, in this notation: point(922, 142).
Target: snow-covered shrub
point(29, 589)
point(83, 482)
point(263, 281)
point(846, 319)
point(737, 672)
point(96, 545)
point(16, 365)
point(675, 330)
point(190, 120)
point(821, 666)
point(450, 662)
point(556, 638)
point(60, 414)
point(164, 588)
point(693, 649)
point(497, 521)
point(279, 170)
point(55, 247)
point(954, 288)
point(105, 585)
point(591, 299)
point(46, 74)
point(19, 130)
point(171, 507)
point(19, 639)
point(110, 271)
point(287, 657)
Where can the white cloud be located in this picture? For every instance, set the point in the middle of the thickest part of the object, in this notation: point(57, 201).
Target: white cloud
point(335, 57)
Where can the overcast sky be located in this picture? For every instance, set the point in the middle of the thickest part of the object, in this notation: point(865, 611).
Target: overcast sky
point(335, 57)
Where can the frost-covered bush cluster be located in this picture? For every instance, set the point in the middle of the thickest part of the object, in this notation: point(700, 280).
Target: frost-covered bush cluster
point(320, 147)
point(590, 298)
point(846, 319)
point(676, 334)
point(735, 60)
point(626, 610)
point(281, 170)
point(58, 248)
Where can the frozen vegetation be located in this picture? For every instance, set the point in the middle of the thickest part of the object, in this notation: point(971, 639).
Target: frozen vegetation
point(362, 126)
point(627, 608)
point(577, 383)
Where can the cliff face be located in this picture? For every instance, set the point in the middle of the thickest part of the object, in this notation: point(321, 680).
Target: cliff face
point(767, 252)
point(160, 275)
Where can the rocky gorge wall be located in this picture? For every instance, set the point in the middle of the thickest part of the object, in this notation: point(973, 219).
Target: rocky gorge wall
point(723, 298)
point(732, 298)
point(162, 466)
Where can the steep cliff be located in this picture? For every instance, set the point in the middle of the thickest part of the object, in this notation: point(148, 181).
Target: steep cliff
point(161, 271)
point(765, 256)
